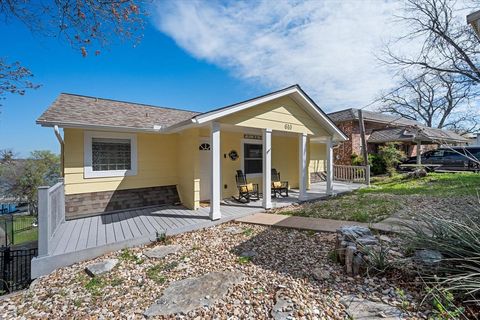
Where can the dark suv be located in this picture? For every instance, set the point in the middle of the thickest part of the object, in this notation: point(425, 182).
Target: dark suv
point(454, 159)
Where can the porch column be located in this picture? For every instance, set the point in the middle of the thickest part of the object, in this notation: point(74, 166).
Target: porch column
point(419, 152)
point(329, 166)
point(215, 172)
point(302, 165)
point(267, 168)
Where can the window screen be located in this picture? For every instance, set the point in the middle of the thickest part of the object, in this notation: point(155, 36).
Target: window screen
point(111, 154)
point(253, 158)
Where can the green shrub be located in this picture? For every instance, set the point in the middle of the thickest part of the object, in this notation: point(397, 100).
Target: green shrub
point(391, 156)
point(377, 164)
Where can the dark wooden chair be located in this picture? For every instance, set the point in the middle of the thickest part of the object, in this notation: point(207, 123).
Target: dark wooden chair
point(279, 187)
point(246, 191)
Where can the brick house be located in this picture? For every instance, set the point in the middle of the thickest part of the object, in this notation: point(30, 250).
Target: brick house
point(382, 128)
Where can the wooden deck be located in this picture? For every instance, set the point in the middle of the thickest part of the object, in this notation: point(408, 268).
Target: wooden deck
point(86, 238)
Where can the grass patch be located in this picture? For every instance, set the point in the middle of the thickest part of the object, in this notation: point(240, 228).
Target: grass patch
point(352, 207)
point(127, 255)
point(244, 260)
point(434, 184)
point(155, 273)
point(95, 286)
point(248, 232)
point(387, 195)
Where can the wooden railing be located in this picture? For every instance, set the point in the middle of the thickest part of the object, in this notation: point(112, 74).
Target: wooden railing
point(51, 214)
point(359, 174)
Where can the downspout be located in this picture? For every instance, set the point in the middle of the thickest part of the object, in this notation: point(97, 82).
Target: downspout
point(62, 158)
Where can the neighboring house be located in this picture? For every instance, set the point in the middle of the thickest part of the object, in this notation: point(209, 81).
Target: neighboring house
point(382, 128)
point(120, 155)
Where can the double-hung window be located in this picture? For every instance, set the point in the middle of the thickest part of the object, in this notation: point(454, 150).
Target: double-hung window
point(110, 154)
point(252, 158)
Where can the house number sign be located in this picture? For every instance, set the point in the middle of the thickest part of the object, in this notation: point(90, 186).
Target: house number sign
point(288, 126)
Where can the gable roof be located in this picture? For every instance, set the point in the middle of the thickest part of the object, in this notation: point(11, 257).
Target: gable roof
point(72, 110)
point(415, 133)
point(77, 111)
point(295, 92)
point(352, 114)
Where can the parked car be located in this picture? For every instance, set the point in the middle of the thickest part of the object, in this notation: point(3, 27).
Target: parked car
point(452, 159)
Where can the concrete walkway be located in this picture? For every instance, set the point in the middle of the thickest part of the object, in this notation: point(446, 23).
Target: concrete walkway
point(307, 223)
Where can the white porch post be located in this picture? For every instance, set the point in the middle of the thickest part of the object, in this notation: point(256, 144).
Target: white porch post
point(267, 168)
point(302, 165)
point(329, 167)
point(215, 172)
point(419, 152)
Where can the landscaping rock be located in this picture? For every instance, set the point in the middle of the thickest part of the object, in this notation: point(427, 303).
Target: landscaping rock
point(367, 241)
point(321, 274)
point(359, 309)
point(188, 294)
point(429, 258)
point(248, 254)
point(234, 230)
point(352, 233)
point(161, 251)
point(98, 268)
point(283, 308)
point(419, 173)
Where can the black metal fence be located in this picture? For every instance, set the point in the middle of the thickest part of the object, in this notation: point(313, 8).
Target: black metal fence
point(15, 268)
point(17, 229)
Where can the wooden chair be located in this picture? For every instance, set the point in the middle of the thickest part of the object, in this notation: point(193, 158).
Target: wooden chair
point(279, 187)
point(246, 191)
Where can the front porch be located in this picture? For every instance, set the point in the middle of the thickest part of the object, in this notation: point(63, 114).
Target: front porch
point(85, 238)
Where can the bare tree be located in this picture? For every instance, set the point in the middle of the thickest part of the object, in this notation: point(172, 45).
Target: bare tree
point(82, 24)
point(449, 45)
point(435, 99)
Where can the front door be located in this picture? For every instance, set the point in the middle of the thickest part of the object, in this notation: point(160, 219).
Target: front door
point(205, 168)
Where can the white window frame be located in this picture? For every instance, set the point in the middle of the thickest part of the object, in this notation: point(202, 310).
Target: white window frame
point(250, 141)
point(87, 152)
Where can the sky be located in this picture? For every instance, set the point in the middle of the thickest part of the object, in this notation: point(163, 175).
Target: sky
point(200, 55)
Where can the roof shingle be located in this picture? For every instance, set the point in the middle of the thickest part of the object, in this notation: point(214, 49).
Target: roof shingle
point(90, 111)
point(352, 114)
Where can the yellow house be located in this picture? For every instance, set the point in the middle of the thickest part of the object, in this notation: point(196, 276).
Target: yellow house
point(118, 155)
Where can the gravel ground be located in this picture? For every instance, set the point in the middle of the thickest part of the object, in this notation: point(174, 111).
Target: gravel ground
point(284, 262)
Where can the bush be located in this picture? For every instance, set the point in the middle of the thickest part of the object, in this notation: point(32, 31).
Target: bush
point(457, 238)
point(391, 156)
point(377, 164)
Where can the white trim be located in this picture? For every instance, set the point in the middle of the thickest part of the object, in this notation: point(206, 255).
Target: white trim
point(87, 153)
point(212, 115)
point(215, 173)
point(267, 168)
point(302, 166)
point(329, 167)
point(242, 157)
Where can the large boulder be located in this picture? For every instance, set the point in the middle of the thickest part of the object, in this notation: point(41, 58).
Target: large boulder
point(361, 309)
point(162, 251)
point(101, 267)
point(186, 295)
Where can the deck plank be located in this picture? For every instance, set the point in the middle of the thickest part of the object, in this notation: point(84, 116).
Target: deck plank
point(132, 224)
point(139, 223)
point(124, 217)
point(83, 236)
point(101, 231)
point(146, 222)
point(93, 232)
point(109, 232)
point(117, 228)
point(73, 240)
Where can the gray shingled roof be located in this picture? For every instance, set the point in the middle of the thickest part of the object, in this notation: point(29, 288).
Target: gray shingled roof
point(90, 111)
point(352, 114)
point(415, 133)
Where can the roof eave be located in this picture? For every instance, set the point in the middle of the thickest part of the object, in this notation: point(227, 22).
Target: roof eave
point(73, 125)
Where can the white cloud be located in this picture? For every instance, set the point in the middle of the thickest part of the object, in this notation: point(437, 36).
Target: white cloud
point(328, 47)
